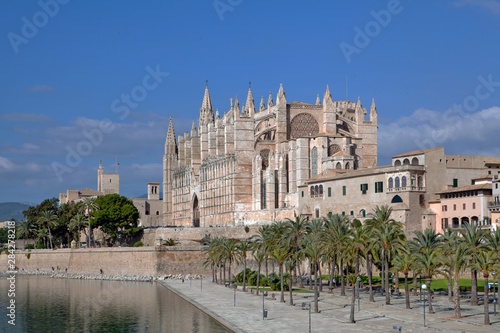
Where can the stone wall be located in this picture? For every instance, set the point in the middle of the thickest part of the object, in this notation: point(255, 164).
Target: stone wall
point(123, 261)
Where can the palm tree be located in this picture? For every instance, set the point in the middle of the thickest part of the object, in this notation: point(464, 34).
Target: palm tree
point(50, 219)
point(42, 234)
point(381, 215)
point(486, 262)
point(25, 229)
point(242, 248)
point(313, 250)
point(280, 254)
point(259, 257)
point(390, 237)
point(290, 266)
point(89, 205)
point(352, 280)
point(450, 241)
point(474, 237)
point(430, 262)
point(493, 243)
point(229, 254)
point(77, 222)
point(403, 262)
point(294, 231)
point(315, 228)
point(458, 260)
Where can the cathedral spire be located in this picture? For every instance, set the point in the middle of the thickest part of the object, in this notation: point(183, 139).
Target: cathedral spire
point(318, 102)
point(262, 106)
point(327, 98)
point(281, 99)
point(206, 110)
point(170, 142)
point(236, 108)
point(373, 111)
point(270, 102)
point(250, 105)
point(193, 130)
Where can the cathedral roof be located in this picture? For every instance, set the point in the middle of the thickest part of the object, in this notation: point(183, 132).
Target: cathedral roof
point(417, 152)
point(478, 187)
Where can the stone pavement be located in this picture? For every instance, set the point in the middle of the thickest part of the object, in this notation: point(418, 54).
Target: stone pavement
point(246, 316)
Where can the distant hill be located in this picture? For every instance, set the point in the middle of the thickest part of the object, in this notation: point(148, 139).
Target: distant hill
point(12, 210)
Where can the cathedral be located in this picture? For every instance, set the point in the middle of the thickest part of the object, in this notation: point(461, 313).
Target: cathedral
point(246, 166)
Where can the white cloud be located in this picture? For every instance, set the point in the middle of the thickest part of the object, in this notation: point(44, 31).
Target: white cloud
point(5, 164)
point(17, 117)
point(459, 132)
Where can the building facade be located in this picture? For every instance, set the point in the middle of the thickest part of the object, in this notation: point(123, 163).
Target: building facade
point(246, 166)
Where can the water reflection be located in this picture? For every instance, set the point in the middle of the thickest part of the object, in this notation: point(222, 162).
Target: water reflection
point(58, 305)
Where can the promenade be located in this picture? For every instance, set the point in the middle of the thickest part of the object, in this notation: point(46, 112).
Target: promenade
point(246, 316)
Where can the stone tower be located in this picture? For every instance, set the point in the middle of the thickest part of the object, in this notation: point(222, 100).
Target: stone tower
point(169, 164)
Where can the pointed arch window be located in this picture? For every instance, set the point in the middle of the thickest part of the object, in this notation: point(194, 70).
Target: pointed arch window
point(390, 182)
point(314, 162)
point(397, 182)
point(403, 181)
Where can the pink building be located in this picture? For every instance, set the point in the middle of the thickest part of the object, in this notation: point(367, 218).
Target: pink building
point(465, 204)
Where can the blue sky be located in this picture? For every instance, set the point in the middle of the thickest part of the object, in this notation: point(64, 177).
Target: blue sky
point(432, 66)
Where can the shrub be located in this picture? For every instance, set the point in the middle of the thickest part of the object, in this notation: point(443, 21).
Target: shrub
point(239, 277)
point(275, 282)
point(138, 244)
point(30, 247)
point(170, 242)
point(252, 279)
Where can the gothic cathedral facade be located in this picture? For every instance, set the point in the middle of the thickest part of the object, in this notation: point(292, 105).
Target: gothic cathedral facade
point(245, 167)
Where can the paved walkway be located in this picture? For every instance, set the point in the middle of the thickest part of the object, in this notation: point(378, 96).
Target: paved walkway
point(246, 316)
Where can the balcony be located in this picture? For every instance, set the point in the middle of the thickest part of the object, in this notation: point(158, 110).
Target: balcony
point(407, 188)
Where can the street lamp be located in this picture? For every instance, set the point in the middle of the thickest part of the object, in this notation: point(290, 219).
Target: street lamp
point(397, 328)
point(234, 297)
point(309, 307)
point(264, 311)
point(424, 286)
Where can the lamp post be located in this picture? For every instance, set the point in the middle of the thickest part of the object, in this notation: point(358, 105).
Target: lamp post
point(201, 283)
point(420, 278)
point(234, 295)
point(424, 286)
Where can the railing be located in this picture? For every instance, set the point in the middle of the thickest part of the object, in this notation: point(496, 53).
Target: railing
point(406, 188)
point(493, 203)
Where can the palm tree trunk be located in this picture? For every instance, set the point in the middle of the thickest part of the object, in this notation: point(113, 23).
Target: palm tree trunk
point(330, 276)
point(316, 293)
point(229, 271)
point(396, 284)
point(282, 300)
point(369, 273)
point(342, 283)
point(429, 294)
point(258, 279)
point(353, 301)
point(290, 288)
point(310, 274)
point(486, 301)
point(387, 293)
point(450, 293)
point(244, 272)
point(382, 275)
point(407, 292)
point(415, 279)
point(318, 275)
point(224, 265)
point(473, 289)
point(301, 283)
point(50, 238)
point(220, 273)
point(267, 270)
point(456, 296)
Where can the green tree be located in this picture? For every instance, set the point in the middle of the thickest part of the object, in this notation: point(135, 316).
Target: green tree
point(34, 213)
point(49, 219)
point(474, 237)
point(76, 223)
point(89, 205)
point(280, 254)
point(116, 215)
point(313, 249)
point(403, 262)
point(486, 262)
point(458, 260)
point(242, 248)
point(295, 230)
point(25, 229)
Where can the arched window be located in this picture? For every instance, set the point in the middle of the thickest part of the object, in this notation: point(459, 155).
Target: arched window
point(396, 199)
point(347, 165)
point(406, 161)
point(397, 182)
point(412, 180)
point(419, 181)
point(390, 182)
point(316, 190)
point(314, 162)
point(397, 163)
point(312, 190)
point(403, 181)
point(338, 166)
point(414, 161)
point(321, 189)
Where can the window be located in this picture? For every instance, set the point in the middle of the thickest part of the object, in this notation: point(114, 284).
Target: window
point(489, 172)
point(352, 212)
point(390, 182)
point(454, 207)
point(314, 162)
point(379, 187)
point(403, 181)
point(344, 190)
point(302, 194)
point(455, 182)
point(464, 206)
point(363, 188)
point(329, 191)
point(316, 190)
point(473, 205)
point(312, 190)
point(321, 189)
point(396, 185)
point(472, 182)
point(343, 213)
point(396, 199)
point(444, 208)
point(420, 181)
point(363, 212)
point(317, 212)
